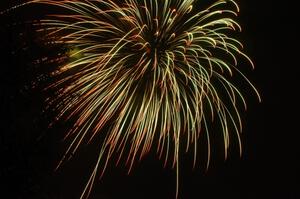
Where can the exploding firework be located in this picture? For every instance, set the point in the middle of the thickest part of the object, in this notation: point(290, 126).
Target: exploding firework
point(146, 73)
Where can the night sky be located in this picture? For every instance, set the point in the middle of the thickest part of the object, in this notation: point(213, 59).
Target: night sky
point(267, 169)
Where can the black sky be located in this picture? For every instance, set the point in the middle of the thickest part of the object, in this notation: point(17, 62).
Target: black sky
point(268, 168)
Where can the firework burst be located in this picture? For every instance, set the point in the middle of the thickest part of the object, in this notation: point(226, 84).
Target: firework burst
point(150, 73)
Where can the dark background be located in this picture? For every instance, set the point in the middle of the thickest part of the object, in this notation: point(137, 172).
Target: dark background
point(268, 168)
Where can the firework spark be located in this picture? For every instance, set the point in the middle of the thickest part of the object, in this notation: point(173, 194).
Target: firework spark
point(152, 72)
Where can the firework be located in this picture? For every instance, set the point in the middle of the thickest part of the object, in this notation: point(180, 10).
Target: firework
point(146, 73)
